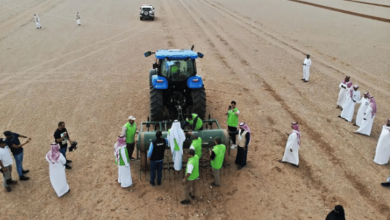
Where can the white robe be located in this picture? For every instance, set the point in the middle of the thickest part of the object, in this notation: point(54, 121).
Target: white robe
point(364, 103)
point(366, 126)
point(58, 176)
point(306, 69)
point(342, 95)
point(78, 19)
point(124, 172)
point(176, 133)
point(292, 143)
point(349, 106)
point(37, 20)
point(382, 153)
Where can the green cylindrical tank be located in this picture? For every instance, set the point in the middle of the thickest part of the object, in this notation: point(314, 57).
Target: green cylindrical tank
point(207, 136)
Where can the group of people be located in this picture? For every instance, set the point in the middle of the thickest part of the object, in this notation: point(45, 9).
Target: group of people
point(11, 143)
point(38, 25)
point(56, 158)
point(349, 95)
point(124, 148)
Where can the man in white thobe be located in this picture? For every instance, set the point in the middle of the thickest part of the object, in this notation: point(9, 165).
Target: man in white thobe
point(78, 19)
point(344, 86)
point(382, 153)
point(368, 119)
point(176, 139)
point(349, 106)
point(306, 68)
point(364, 103)
point(122, 160)
point(292, 147)
point(57, 163)
point(37, 21)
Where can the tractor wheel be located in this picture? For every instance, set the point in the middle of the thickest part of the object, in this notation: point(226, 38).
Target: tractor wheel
point(199, 102)
point(156, 104)
point(151, 73)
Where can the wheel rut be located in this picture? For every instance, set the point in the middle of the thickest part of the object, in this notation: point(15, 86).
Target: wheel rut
point(362, 189)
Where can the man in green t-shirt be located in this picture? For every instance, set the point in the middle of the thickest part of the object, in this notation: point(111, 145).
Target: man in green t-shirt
point(192, 174)
point(194, 121)
point(232, 121)
point(196, 144)
point(129, 130)
point(217, 155)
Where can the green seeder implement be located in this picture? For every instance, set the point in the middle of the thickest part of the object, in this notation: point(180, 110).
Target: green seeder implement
point(208, 134)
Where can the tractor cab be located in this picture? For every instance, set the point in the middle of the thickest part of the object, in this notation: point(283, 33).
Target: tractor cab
point(174, 78)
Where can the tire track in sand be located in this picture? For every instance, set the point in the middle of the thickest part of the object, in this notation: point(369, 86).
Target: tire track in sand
point(368, 3)
point(343, 11)
point(305, 170)
point(355, 181)
point(252, 28)
point(25, 83)
point(67, 54)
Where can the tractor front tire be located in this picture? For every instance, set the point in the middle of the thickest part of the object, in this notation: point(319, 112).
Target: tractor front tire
point(199, 102)
point(156, 104)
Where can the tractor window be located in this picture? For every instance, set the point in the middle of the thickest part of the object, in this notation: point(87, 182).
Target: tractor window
point(146, 9)
point(177, 70)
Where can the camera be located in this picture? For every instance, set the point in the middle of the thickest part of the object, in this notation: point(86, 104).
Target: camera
point(73, 146)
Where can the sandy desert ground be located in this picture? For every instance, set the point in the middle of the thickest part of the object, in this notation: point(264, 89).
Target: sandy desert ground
point(94, 76)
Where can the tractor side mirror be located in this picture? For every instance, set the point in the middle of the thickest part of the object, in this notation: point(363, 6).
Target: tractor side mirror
point(155, 65)
point(200, 55)
point(148, 53)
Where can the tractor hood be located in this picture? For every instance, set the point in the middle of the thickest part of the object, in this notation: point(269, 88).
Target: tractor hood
point(176, 54)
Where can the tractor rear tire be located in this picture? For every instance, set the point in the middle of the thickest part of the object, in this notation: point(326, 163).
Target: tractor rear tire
point(156, 104)
point(199, 102)
point(151, 73)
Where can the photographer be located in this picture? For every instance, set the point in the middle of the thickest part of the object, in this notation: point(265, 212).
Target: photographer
point(232, 121)
point(12, 140)
point(61, 137)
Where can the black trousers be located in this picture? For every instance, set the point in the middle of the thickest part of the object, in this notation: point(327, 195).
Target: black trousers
point(130, 149)
point(241, 156)
point(233, 136)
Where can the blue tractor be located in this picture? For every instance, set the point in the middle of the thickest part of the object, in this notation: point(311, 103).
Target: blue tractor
point(175, 87)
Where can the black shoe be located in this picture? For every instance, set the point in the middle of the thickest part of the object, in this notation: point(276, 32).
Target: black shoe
point(305, 81)
point(68, 167)
point(153, 184)
point(192, 197)
point(385, 184)
point(339, 116)
point(185, 202)
point(346, 120)
point(11, 182)
point(215, 185)
point(24, 178)
point(25, 171)
point(132, 158)
point(8, 189)
point(68, 161)
point(158, 184)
